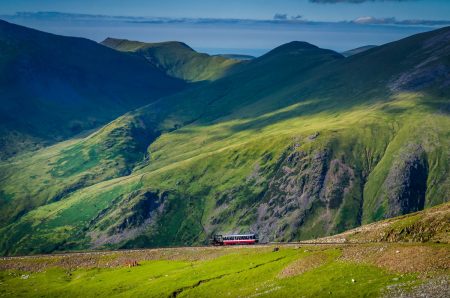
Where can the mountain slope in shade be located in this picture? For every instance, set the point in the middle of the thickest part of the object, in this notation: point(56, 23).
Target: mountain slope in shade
point(297, 144)
point(54, 87)
point(357, 50)
point(177, 59)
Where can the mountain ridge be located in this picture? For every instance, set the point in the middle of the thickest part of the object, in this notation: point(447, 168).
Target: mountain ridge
point(177, 59)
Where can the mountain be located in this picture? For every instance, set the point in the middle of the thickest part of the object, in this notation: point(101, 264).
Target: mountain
point(177, 59)
point(54, 87)
point(357, 50)
point(296, 144)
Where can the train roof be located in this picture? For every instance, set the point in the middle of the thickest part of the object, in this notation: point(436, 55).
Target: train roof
point(234, 235)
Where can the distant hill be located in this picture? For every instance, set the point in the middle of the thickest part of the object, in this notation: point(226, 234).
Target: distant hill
point(297, 144)
point(357, 50)
point(54, 87)
point(176, 59)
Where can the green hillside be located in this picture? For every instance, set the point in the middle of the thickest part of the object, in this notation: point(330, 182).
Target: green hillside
point(54, 87)
point(177, 59)
point(296, 144)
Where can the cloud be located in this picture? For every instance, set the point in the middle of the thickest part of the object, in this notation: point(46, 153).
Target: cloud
point(394, 21)
point(353, 1)
point(280, 16)
point(373, 20)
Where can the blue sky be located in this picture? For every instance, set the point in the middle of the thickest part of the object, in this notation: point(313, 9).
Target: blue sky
point(337, 26)
point(254, 9)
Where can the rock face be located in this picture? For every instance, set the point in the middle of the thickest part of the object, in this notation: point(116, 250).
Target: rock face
point(406, 183)
point(294, 188)
point(305, 195)
point(301, 185)
point(138, 211)
point(147, 204)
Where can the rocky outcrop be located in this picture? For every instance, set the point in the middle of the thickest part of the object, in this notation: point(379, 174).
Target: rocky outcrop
point(406, 183)
point(305, 194)
point(295, 186)
point(147, 203)
point(300, 195)
point(136, 213)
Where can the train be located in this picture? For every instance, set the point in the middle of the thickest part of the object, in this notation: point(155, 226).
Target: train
point(237, 239)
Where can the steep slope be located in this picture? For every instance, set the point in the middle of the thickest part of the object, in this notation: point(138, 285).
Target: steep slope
point(177, 59)
point(54, 87)
point(297, 144)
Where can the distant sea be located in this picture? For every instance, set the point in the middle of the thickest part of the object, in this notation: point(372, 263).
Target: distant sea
point(222, 37)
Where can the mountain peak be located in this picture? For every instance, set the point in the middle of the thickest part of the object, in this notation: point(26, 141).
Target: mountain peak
point(295, 44)
point(132, 45)
point(295, 47)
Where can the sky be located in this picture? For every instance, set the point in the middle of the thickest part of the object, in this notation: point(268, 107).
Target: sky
point(335, 24)
point(252, 9)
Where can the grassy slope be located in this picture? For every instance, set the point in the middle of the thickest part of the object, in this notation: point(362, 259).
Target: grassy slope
point(227, 152)
point(430, 225)
point(177, 59)
point(241, 272)
point(54, 87)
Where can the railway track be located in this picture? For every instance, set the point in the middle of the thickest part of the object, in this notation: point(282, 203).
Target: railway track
point(104, 252)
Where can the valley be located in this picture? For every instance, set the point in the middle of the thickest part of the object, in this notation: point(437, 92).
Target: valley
point(297, 144)
point(242, 149)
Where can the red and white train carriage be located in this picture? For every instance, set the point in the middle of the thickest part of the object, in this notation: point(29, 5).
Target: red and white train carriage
point(235, 239)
